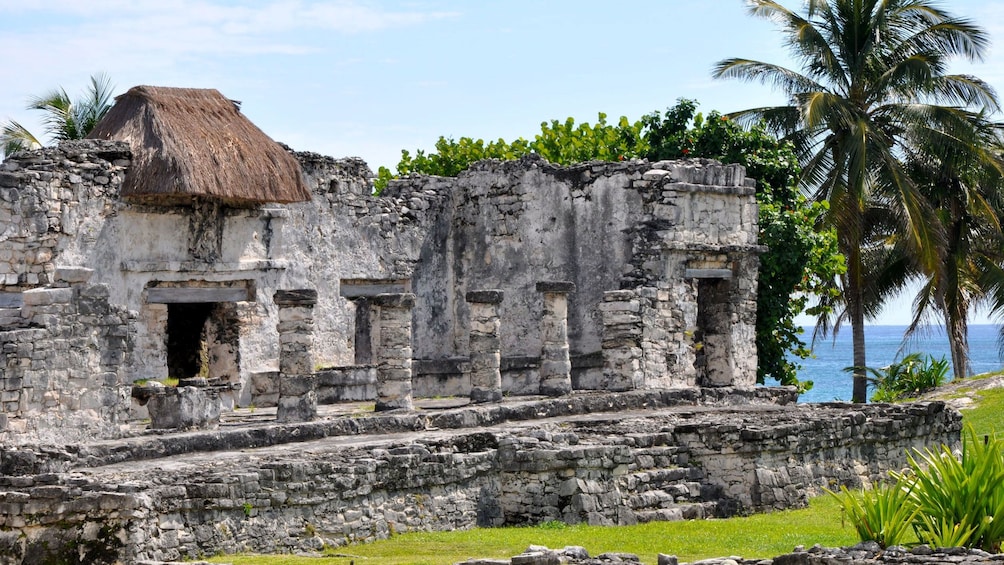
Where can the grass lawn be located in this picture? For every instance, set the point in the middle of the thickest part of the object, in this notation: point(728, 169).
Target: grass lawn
point(987, 415)
point(762, 535)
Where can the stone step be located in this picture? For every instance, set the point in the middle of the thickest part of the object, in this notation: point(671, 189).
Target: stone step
point(695, 511)
point(661, 456)
point(673, 494)
point(654, 479)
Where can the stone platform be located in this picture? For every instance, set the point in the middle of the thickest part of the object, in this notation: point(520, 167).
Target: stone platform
point(352, 475)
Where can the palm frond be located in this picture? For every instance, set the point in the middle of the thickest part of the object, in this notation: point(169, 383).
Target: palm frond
point(15, 137)
point(776, 76)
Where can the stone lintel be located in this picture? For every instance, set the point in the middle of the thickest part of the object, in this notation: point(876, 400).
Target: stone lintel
point(708, 274)
point(368, 288)
point(298, 297)
point(556, 286)
point(395, 300)
point(73, 274)
point(704, 248)
point(196, 295)
point(493, 296)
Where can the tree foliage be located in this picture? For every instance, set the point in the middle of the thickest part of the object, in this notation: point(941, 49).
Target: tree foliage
point(801, 263)
point(873, 83)
point(64, 118)
point(562, 143)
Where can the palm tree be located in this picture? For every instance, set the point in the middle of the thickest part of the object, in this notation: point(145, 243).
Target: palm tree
point(967, 190)
point(873, 76)
point(64, 119)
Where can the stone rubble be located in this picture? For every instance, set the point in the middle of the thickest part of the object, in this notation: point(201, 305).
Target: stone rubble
point(865, 553)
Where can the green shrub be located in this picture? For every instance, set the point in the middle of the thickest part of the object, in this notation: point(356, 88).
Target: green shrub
point(910, 376)
point(947, 500)
point(883, 514)
point(961, 499)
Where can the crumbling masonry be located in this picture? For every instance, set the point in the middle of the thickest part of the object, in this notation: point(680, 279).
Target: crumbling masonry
point(592, 325)
point(660, 263)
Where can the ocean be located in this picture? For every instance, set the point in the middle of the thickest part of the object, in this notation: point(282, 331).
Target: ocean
point(884, 344)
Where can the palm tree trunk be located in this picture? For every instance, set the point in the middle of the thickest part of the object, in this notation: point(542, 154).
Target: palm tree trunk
point(957, 328)
point(855, 310)
point(954, 300)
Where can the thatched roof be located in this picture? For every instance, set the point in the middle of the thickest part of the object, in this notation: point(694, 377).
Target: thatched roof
point(192, 143)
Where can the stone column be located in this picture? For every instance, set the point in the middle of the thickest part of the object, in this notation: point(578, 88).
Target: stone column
point(393, 353)
point(297, 394)
point(485, 345)
point(555, 365)
point(622, 340)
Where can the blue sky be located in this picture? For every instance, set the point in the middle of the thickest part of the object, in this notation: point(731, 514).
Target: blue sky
point(366, 78)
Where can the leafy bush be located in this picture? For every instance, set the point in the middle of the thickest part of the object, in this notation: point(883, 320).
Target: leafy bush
point(907, 377)
point(883, 514)
point(961, 499)
point(948, 500)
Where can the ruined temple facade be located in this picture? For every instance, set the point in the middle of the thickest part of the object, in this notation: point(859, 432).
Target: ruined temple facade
point(151, 253)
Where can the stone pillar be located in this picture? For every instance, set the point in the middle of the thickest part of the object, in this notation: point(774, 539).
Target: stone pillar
point(393, 353)
point(622, 340)
point(555, 365)
point(297, 394)
point(485, 345)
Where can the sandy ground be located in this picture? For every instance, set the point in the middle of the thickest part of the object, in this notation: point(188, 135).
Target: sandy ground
point(961, 393)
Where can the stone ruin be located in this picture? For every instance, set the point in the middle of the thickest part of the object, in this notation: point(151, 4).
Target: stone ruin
point(558, 302)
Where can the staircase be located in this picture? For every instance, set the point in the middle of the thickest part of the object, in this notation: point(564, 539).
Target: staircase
point(662, 486)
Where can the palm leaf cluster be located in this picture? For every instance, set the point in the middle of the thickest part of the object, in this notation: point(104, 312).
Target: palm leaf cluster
point(901, 149)
point(64, 118)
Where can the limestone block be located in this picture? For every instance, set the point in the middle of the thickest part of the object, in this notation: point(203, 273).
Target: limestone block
point(300, 408)
point(46, 296)
point(296, 384)
point(184, 408)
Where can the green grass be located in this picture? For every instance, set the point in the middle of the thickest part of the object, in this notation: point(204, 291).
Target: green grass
point(762, 535)
point(987, 414)
point(759, 536)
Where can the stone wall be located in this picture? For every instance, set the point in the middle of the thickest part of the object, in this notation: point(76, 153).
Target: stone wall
point(62, 376)
point(137, 502)
point(656, 228)
point(679, 236)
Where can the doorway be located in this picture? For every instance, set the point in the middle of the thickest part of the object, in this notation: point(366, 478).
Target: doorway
point(203, 341)
point(713, 337)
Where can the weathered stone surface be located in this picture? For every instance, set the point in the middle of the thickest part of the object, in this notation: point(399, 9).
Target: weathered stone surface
point(555, 286)
point(503, 226)
point(485, 346)
point(394, 354)
point(299, 297)
point(606, 467)
point(184, 407)
point(555, 364)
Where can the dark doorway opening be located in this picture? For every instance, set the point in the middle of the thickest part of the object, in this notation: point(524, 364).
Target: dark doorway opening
point(203, 341)
point(713, 359)
point(186, 340)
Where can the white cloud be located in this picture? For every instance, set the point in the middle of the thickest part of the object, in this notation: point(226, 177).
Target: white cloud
point(155, 28)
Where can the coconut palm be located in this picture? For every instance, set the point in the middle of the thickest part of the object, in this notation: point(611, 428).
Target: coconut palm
point(873, 79)
point(967, 190)
point(64, 118)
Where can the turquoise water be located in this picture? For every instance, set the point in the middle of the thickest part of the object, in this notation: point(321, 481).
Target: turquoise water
point(884, 344)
